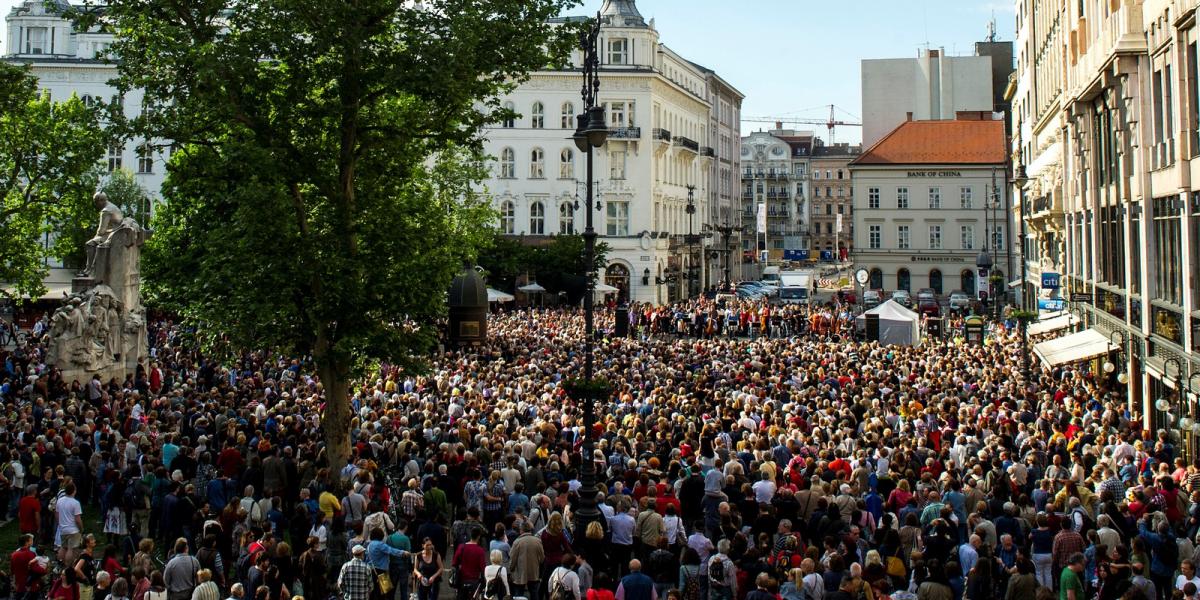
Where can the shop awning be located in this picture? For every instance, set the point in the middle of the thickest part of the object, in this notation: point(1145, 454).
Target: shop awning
point(1052, 324)
point(1084, 345)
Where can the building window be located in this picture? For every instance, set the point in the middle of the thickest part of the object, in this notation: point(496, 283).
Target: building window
point(839, 173)
point(508, 217)
point(873, 197)
point(510, 118)
point(618, 51)
point(508, 164)
point(145, 158)
point(998, 239)
point(935, 198)
point(902, 198)
point(875, 236)
point(37, 40)
point(935, 237)
point(568, 116)
point(965, 197)
point(1194, 224)
point(616, 164)
point(968, 237)
point(902, 237)
point(816, 174)
point(903, 280)
point(537, 164)
point(114, 158)
point(829, 209)
point(566, 218)
point(620, 114)
point(537, 219)
point(828, 192)
point(538, 116)
point(618, 218)
point(1168, 277)
point(935, 281)
point(566, 164)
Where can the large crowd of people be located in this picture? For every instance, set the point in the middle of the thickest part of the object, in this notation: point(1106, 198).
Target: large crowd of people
point(745, 452)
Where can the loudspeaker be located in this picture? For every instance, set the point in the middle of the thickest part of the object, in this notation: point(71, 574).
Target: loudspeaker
point(872, 327)
point(933, 327)
point(622, 316)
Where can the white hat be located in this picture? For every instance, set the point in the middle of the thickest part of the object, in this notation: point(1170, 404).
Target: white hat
point(358, 549)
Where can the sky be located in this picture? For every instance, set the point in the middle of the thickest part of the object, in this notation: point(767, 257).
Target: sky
point(793, 58)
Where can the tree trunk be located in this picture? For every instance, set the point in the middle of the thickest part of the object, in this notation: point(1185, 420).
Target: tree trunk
point(335, 420)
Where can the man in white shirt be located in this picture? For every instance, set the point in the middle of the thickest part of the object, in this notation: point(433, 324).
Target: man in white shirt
point(69, 534)
point(764, 489)
point(1187, 568)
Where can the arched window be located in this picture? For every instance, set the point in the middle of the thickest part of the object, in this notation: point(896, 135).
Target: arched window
point(508, 217)
point(537, 164)
point(508, 164)
point(537, 219)
point(617, 275)
point(568, 115)
point(935, 281)
point(967, 282)
point(566, 218)
point(903, 280)
point(509, 120)
point(566, 164)
point(876, 279)
point(538, 115)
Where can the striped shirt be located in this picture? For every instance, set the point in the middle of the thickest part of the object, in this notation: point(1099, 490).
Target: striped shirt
point(207, 591)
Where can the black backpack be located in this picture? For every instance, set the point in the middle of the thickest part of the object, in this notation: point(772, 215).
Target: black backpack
point(716, 571)
point(494, 590)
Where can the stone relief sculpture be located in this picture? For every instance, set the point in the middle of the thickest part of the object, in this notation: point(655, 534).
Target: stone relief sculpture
point(101, 329)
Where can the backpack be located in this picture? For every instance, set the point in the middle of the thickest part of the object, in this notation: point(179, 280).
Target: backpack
point(560, 591)
point(691, 587)
point(716, 571)
point(494, 590)
point(136, 498)
point(1087, 523)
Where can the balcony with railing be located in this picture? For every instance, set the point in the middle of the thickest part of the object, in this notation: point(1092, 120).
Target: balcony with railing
point(661, 134)
point(747, 195)
point(708, 151)
point(1044, 207)
point(773, 174)
point(625, 133)
point(688, 143)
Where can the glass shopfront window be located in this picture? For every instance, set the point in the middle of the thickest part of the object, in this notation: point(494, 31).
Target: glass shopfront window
point(1167, 323)
point(1111, 302)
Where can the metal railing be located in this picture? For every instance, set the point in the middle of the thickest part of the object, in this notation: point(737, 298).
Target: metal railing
point(625, 133)
point(688, 143)
point(660, 134)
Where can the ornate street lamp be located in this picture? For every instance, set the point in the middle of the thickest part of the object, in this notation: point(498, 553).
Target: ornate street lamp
point(590, 133)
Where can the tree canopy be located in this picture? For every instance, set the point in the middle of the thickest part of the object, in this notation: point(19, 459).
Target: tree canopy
point(49, 165)
point(322, 196)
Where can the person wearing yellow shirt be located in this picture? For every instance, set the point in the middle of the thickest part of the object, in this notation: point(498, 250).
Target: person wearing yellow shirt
point(329, 504)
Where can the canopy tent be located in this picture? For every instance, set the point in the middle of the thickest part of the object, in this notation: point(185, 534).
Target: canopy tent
point(499, 296)
point(1084, 345)
point(604, 288)
point(897, 325)
point(532, 288)
point(1044, 326)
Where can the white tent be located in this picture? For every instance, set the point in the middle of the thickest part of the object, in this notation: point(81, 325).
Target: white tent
point(532, 288)
point(499, 296)
point(897, 325)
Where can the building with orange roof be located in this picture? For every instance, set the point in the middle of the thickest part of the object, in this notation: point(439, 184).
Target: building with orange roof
point(929, 199)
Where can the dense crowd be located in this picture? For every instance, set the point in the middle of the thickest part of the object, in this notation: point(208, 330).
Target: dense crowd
point(737, 461)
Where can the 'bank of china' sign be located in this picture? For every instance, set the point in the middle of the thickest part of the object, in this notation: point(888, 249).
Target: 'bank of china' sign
point(935, 174)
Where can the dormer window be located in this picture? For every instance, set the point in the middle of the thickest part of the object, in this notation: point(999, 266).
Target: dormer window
point(37, 40)
point(618, 51)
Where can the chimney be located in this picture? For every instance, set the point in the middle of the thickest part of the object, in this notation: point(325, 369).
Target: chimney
point(972, 115)
point(909, 115)
point(778, 124)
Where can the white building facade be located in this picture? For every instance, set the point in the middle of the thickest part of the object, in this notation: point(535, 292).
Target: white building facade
point(928, 199)
point(660, 151)
point(66, 63)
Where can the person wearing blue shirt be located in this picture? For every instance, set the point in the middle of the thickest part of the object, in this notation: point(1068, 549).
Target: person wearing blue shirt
point(169, 452)
point(968, 554)
point(379, 553)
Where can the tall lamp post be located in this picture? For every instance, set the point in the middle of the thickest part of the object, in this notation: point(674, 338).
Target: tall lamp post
point(1020, 179)
point(590, 133)
point(726, 232)
point(692, 239)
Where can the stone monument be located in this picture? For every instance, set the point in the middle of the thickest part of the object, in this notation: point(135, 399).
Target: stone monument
point(101, 328)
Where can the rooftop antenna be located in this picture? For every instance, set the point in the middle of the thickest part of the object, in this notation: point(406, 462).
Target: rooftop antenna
point(925, 22)
point(992, 28)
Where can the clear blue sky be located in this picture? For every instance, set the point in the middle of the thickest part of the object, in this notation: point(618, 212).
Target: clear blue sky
point(793, 58)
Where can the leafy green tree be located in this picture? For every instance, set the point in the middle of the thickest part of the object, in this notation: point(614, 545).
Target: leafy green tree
point(49, 164)
point(322, 197)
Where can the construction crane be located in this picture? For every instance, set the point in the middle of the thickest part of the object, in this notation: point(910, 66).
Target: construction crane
point(831, 124)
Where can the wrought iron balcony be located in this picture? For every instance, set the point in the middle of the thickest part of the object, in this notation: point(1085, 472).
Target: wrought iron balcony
point(660, 134)
point(625, 133)
point(708, 151)
point(688, 143)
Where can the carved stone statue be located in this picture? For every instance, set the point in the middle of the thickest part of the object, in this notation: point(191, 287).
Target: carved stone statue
point(110, 220)
point(101, 329)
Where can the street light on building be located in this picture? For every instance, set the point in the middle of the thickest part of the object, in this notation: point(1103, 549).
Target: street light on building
point(692, 239)
point(590, 133)
point(1020, 179)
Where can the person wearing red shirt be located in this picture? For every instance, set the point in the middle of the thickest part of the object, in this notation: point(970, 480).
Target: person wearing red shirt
point(29, 511)
point(19, 564)
point(470, 559)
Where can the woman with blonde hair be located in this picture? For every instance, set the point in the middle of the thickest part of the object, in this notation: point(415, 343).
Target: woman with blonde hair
point(555, 543)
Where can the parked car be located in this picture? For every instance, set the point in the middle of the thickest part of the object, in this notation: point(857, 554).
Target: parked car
point(903, 298)
point(929, 307)
point(960, 301)
point(872, 298)
point(926, 294)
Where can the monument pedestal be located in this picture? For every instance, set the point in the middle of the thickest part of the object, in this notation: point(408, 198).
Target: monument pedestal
point(81, 284)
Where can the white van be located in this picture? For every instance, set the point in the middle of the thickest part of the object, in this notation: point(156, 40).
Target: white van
point(771, 274)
